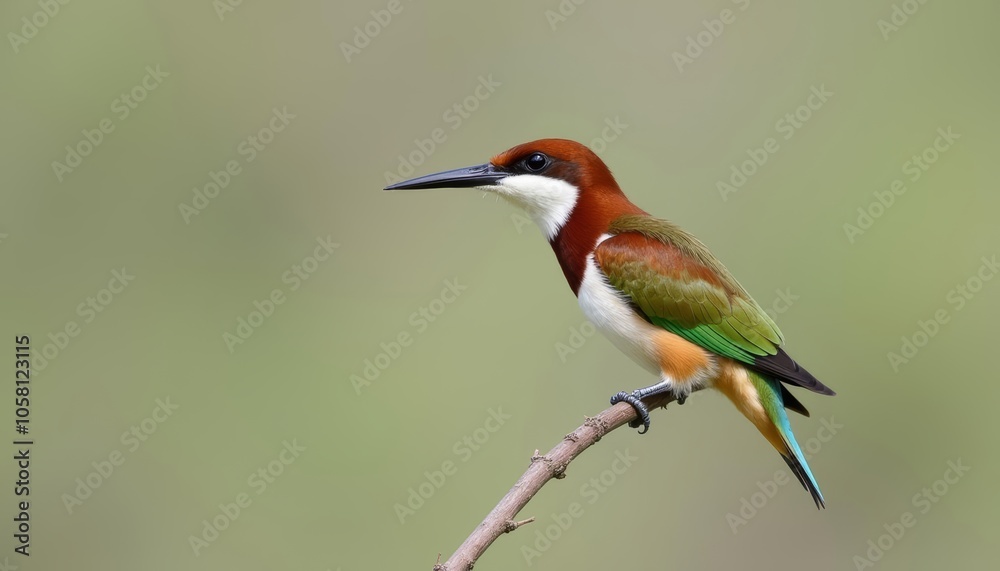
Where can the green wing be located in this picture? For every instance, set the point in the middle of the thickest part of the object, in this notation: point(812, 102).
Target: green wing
point(677, 283)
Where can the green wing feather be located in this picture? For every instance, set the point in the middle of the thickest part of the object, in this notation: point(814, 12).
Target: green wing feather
point(680, 286)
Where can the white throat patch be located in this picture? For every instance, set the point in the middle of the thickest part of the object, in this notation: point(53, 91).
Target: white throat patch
point(547, 201)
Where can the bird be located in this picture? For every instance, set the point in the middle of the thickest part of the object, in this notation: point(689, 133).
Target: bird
point(653, 289)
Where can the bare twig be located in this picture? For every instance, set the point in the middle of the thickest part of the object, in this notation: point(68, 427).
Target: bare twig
point(542, 469)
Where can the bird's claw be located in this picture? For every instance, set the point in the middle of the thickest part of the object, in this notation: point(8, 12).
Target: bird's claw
point(641, 410)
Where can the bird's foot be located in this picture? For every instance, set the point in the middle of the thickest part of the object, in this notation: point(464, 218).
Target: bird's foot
point(641, 409)
point(682, 399)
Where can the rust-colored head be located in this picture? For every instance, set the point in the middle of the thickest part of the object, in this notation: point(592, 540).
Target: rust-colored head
point(561, 159)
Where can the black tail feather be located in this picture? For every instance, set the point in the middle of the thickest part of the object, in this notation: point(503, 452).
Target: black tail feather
point(796, 469)
point(792, 403)
point(785, 369)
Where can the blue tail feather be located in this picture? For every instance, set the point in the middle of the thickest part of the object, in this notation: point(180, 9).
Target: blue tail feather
point(794, 457)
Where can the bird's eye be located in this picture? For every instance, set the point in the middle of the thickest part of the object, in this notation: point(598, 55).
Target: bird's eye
point(536, 162)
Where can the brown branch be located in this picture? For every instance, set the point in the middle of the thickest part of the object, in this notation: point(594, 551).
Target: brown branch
point(542, 469)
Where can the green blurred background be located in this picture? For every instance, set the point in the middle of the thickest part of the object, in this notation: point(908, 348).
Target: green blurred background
point(505, 346)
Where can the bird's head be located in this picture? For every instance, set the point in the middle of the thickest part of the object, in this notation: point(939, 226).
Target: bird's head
point(548, 178)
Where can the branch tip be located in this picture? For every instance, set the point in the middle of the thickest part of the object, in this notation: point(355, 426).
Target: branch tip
point(510, 525)
point(501, 519)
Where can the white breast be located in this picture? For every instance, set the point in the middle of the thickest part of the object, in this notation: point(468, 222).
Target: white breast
point(605, 307)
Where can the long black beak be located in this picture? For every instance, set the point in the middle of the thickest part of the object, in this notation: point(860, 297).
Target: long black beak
point(479, 175)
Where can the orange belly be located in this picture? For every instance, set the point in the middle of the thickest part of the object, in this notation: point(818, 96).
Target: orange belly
point(682, 361)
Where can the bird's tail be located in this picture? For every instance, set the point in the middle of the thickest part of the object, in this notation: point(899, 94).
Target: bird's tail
point(772, 400)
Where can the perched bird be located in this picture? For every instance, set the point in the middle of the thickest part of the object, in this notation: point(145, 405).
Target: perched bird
point(653, 289)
